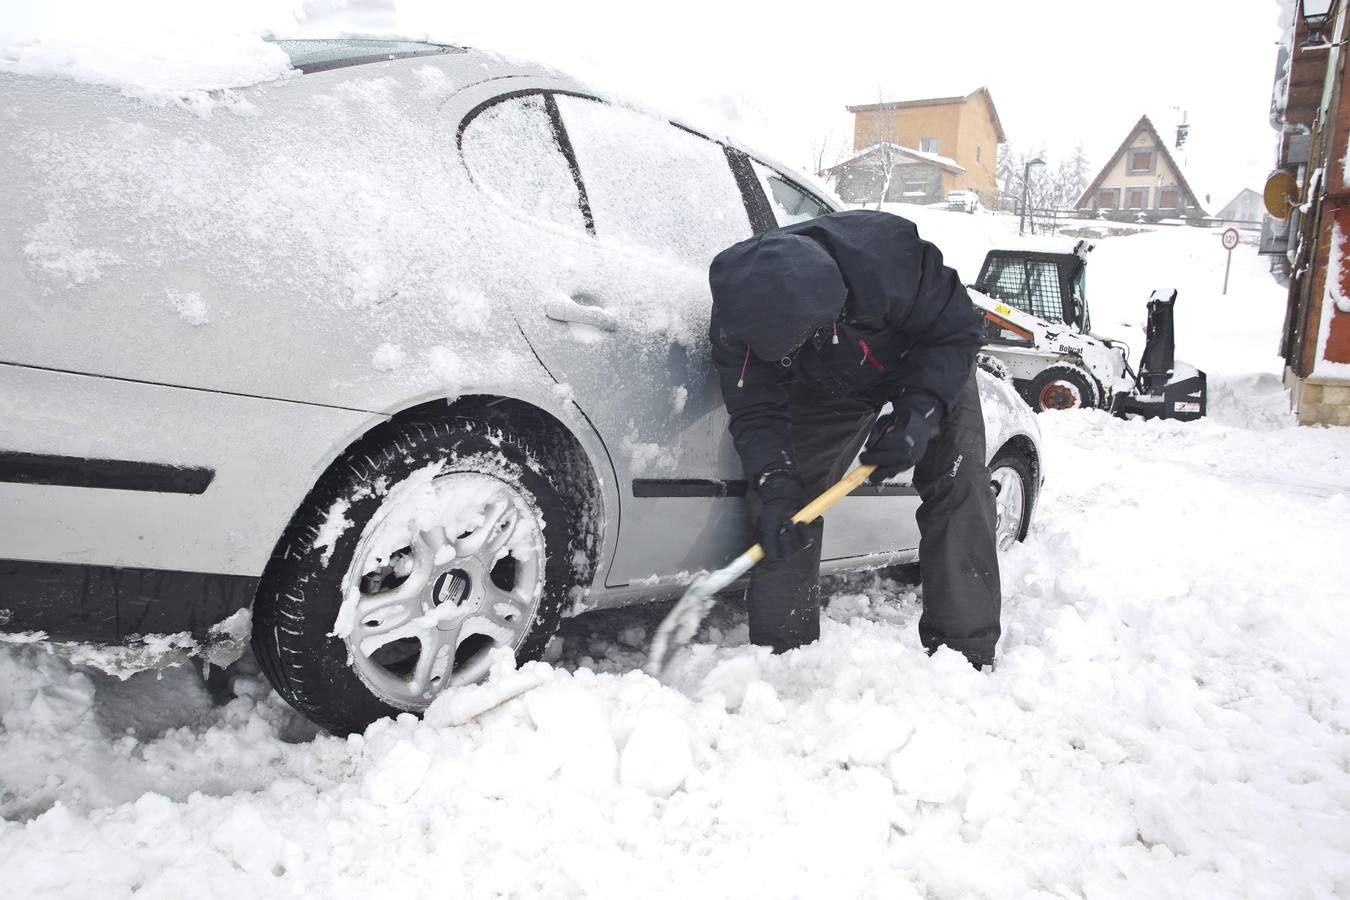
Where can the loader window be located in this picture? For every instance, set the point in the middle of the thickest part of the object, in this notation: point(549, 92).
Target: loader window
point(1044, 298)
point(1030, 285)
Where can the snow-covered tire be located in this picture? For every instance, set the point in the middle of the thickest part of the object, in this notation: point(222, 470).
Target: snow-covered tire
point(1063, 386)
point(1012, 478)
point(994, 366)
point(355, 517)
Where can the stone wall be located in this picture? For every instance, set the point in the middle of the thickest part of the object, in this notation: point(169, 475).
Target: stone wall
point(1318, 402)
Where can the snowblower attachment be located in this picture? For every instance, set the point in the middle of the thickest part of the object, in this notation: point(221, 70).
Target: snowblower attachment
point(1164, 388)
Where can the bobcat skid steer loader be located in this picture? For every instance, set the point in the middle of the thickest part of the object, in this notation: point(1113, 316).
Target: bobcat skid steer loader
point(1038, 335)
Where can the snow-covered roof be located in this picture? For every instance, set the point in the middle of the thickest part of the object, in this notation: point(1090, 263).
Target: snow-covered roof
point(942, 162)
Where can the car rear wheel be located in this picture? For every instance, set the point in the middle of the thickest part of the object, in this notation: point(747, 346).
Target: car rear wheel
point(427, 546)
point(1010, 476)
point(1063, 386)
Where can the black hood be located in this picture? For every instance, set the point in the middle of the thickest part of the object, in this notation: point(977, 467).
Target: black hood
point(772, 291)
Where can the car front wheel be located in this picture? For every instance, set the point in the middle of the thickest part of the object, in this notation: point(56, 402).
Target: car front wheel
point(429, 544)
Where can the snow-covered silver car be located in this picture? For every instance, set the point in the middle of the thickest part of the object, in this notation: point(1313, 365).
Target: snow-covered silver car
point(406, 354)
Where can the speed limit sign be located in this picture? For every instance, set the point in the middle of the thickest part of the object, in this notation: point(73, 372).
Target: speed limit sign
point(1230, 240)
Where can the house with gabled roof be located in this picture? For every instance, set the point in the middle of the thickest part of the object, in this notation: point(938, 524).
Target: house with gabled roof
point(1244, 211)
point(956, 138)
point(895, 174)
point(1141, 180)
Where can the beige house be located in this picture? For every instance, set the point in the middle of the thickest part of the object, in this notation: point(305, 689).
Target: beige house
point(1141, 180)
point(960, 135)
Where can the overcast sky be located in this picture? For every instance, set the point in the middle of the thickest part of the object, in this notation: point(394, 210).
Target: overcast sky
point(778, 75)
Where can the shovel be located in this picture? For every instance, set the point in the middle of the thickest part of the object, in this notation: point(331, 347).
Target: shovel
point(684, 618)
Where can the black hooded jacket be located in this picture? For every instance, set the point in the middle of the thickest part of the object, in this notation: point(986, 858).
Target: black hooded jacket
point(907, 332)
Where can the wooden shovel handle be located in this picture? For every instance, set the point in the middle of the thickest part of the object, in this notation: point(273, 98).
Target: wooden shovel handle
point(817, 507)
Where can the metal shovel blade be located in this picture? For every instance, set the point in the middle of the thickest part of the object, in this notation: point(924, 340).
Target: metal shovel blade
point(688, 613)
point(683, 620)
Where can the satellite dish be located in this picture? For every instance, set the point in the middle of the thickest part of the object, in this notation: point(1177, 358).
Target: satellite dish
point(1280, 194)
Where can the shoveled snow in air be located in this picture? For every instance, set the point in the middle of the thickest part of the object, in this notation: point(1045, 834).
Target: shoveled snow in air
point(1169, 716)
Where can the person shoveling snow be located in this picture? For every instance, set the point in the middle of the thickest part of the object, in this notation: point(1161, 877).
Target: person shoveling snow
point(815, 327)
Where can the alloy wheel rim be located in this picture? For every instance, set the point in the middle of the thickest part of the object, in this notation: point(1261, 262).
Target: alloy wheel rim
point(1009, 496)
point(427, 616)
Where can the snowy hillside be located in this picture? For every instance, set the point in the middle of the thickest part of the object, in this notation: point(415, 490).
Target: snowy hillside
point(1170, 715)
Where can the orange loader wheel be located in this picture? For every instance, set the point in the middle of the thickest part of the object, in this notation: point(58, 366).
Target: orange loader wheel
point(1063, 386)
point(1059, 395)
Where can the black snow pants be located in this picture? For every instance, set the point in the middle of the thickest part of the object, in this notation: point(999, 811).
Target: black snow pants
point(958, 555)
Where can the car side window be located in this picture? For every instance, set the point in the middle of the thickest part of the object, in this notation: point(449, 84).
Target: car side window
point(514, 152)
point(790, 203)
point(653, 183)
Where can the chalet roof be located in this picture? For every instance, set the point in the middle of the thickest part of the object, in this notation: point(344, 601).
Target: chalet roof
point(937, 101)
point(1146, 126)
point(1244, 196)
point(941, 162)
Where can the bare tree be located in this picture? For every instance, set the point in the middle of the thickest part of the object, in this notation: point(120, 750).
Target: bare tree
point(880, 164)
point(826, 152)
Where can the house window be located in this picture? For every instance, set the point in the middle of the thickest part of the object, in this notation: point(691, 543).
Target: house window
point(928, 145)
point(1136, 198)
point(915, 188)
point(1108, 198)
point(1141, 162)
point(1169, 198)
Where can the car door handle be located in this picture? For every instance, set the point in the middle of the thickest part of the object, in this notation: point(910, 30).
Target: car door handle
point(573, 309)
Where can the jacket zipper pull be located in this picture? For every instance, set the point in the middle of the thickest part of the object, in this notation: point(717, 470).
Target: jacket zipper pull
point(835, 340)
point(868, 357)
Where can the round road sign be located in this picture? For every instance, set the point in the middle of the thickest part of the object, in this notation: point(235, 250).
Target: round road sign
point(1230, 238)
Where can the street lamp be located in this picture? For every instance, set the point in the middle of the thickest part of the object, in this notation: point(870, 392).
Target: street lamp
point(1026, 183)
point(1315, 15)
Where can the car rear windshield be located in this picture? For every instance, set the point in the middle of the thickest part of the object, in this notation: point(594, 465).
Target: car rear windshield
point(318, 55)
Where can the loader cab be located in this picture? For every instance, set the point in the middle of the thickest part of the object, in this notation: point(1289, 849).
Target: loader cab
point(1050, 286)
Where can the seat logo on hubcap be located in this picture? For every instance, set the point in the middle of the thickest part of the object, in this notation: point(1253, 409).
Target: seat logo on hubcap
point(450, 587)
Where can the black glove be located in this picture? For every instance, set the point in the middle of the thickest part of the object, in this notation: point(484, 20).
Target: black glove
point(782, 493)
point(898, 440)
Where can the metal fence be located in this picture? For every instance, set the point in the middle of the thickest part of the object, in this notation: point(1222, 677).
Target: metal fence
point(1056, 221)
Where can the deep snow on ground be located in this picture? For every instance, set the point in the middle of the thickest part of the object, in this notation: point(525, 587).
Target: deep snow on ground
point(1170, 715)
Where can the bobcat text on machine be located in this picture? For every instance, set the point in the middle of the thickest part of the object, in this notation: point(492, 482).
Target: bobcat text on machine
point(1038, 334)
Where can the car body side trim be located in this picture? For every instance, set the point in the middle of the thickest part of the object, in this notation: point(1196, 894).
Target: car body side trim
point(110, 474)
point(714, 487)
